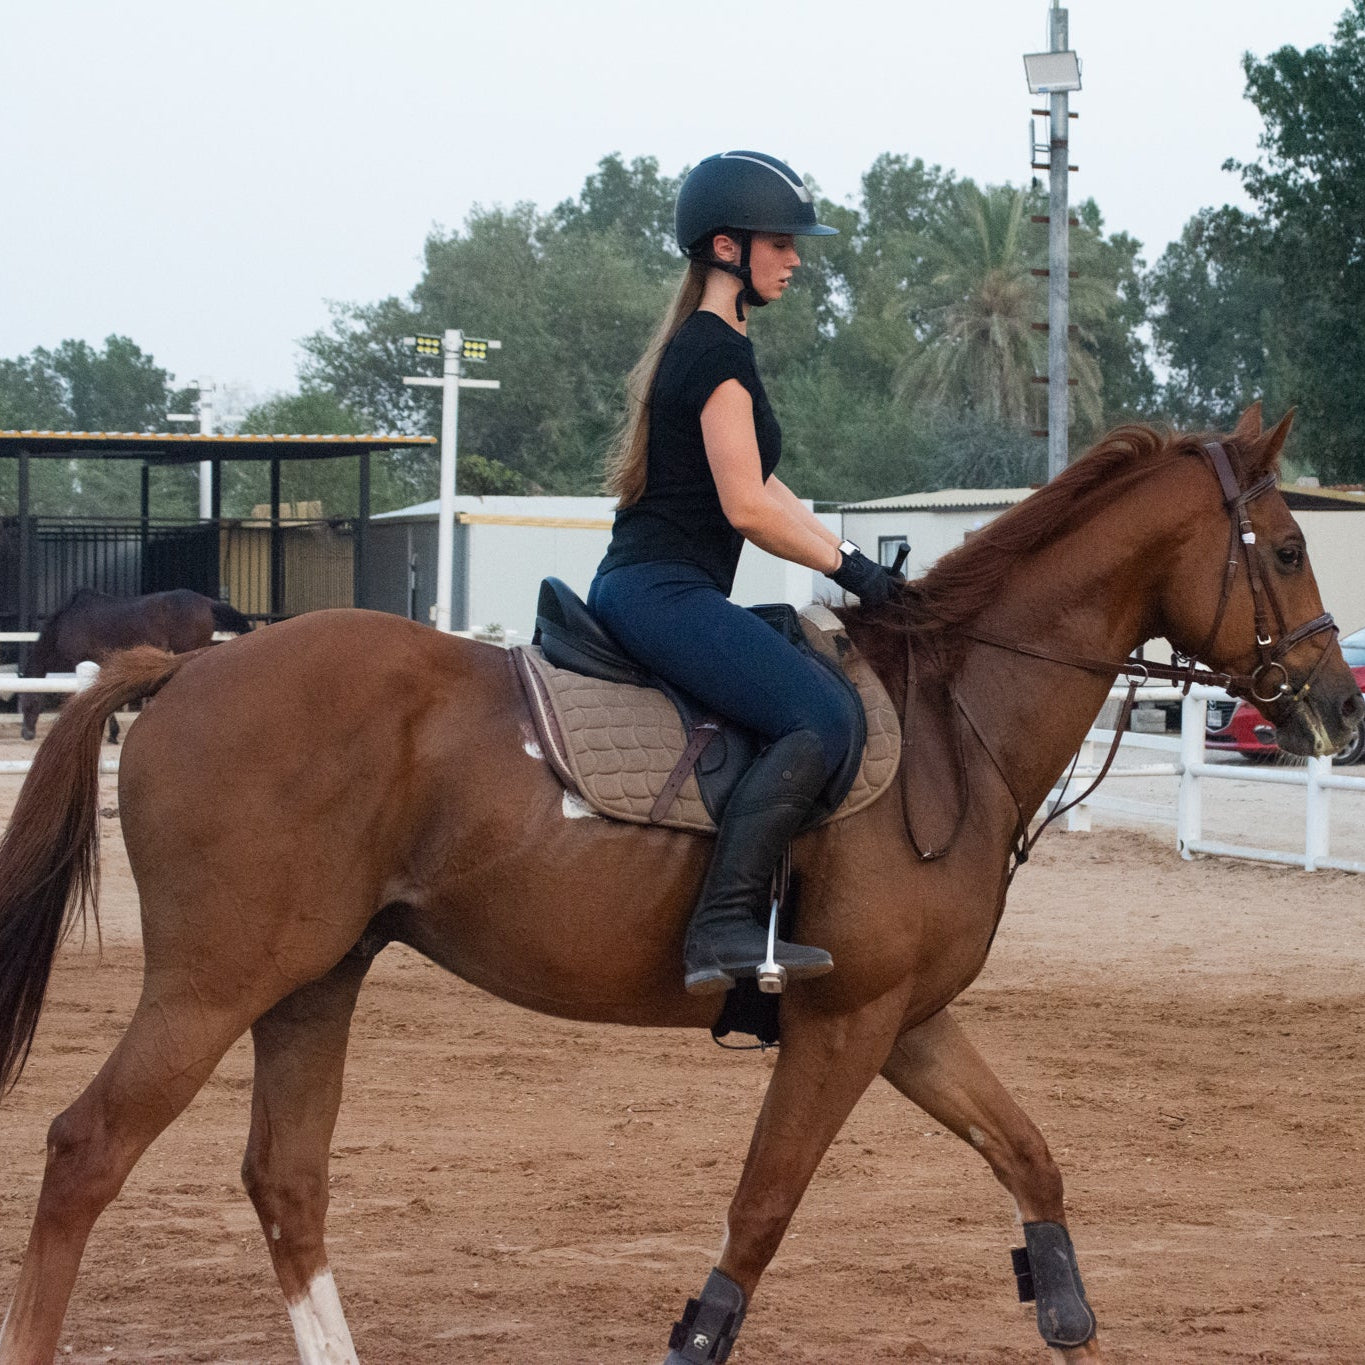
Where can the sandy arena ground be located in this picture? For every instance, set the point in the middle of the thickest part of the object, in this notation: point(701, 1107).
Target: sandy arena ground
point(512, 1190)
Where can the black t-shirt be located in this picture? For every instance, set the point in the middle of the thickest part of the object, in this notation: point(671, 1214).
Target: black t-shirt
point(679, 514)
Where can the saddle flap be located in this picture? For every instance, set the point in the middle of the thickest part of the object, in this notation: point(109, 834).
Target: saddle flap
point(618, 744)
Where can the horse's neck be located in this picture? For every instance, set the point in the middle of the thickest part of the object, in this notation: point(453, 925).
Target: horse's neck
point(1089, 597)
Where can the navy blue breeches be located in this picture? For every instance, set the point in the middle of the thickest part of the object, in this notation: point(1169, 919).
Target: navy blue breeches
point(674, 620)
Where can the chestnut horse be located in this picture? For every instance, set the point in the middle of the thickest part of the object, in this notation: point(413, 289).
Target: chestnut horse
point(92, 625)
point(348, 779)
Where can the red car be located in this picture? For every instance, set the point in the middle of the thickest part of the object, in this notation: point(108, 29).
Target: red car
point(1238, 727)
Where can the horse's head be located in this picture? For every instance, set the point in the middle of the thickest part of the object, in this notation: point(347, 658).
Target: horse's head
point(1242, 598)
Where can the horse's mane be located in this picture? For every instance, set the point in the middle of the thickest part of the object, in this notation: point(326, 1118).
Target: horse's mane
point(968, 579)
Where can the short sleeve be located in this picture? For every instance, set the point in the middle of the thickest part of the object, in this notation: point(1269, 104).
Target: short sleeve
point(710, 370)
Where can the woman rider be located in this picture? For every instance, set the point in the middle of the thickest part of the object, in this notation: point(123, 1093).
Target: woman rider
point(693, 473)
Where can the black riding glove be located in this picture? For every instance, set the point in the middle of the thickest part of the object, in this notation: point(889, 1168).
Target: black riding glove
point(867, 580)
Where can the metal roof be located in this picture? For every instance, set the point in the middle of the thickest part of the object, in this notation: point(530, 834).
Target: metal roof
point(1298, 497)
point(172, 447)
point(944, 500)
point(1304, 498)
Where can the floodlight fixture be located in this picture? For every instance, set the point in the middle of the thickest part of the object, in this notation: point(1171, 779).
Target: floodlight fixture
point(426, 345)
point(1052, 73)
point(474, 349)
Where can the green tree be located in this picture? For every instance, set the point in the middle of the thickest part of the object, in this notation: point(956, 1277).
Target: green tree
point(1213, 299)
point(79, 388)
point(981, 351)
point(575, 294)
point(1309, 185)
point(631, 201)
point(32, 395)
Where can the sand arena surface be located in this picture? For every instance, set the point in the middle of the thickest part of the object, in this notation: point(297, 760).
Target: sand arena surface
point(513, 1190)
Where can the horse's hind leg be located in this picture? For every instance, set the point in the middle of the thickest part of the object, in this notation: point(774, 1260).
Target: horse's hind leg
point(935, 1065)
point(173, 1043)
point(300, 1053)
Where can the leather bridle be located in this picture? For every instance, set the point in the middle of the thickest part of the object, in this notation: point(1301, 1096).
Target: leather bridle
point(1188, 670)
point(1270, 649)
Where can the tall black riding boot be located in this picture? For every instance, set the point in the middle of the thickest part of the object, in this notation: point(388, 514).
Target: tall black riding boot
point(728, 935)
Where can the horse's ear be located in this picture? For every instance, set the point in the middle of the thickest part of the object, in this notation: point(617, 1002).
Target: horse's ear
point(1248, 425)
point(1263, 455)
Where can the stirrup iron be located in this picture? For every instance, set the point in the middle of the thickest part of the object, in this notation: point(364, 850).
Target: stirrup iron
point(772, 975)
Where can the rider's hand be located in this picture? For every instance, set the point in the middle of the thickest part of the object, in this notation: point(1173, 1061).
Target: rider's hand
point(857, 574)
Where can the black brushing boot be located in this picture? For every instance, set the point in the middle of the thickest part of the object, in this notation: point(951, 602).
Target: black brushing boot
point(726, 938)
point(709, 1325)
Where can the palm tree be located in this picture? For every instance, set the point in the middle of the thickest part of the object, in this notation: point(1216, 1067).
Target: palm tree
point(980, 348)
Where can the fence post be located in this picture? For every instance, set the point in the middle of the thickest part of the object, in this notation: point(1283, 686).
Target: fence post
point(86, 674)
point(1189, 823)
point(1317, 834)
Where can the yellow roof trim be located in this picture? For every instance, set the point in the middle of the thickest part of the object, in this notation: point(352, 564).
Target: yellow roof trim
point(125, 437)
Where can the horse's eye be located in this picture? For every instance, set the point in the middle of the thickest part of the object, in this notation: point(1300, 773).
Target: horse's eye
point(1291, 556)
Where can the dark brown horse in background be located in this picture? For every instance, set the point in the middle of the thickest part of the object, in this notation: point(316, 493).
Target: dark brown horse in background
point(348, 779)
point(92, 625)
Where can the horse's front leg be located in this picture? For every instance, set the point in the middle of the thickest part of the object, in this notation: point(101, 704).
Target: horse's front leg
point(826, 1063)
point(936, 1065)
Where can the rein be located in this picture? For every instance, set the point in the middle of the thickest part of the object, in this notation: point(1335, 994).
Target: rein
point(1270, 651)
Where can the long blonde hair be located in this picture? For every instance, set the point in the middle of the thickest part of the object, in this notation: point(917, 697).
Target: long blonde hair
point(627, 455)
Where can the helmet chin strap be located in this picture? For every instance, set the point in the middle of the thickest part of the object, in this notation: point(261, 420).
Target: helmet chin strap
point(743, 272)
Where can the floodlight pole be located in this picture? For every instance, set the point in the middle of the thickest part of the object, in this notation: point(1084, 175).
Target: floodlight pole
point(452, 350)
point(1059, 267)
point(206, 389)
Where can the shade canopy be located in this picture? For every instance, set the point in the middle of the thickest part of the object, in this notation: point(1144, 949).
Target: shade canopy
point(158, 447)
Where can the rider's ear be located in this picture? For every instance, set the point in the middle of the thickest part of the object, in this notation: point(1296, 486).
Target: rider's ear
point(1248, 426)
point(1264, 454)
point(725, 248)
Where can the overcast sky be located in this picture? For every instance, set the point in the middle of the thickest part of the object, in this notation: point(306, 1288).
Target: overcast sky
point(203, 177)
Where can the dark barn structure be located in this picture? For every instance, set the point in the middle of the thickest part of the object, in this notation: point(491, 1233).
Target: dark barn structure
point(268, 567)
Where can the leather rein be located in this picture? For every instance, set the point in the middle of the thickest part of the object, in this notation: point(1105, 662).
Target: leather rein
point(1270, 649)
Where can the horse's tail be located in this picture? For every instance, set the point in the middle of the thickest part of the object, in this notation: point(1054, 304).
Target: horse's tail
point(49, 857)
point(227, 617)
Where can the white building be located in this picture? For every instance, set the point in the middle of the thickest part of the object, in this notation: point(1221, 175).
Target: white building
point(934, 523)
point(504, 546)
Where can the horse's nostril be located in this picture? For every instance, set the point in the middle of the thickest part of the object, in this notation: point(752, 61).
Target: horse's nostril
point(1353, 707)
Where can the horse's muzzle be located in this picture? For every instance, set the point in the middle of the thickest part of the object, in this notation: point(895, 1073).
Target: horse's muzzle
point(1320, 717)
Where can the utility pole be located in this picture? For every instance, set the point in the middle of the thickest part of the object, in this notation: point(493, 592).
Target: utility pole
point(453, 348)
point(1059, 266)
point(1054, 73)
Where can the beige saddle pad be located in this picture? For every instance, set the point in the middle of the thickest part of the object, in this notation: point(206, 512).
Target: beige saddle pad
point(616, 744)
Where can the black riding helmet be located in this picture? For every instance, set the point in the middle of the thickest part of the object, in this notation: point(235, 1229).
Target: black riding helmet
point(740, 193)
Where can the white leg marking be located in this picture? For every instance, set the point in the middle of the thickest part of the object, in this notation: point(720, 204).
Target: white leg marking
point(320, 1326)
point(575, 808)
point(977, 1136)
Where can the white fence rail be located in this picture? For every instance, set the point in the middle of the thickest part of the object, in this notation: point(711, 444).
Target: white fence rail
point(1316, 777)
point(85, 674)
